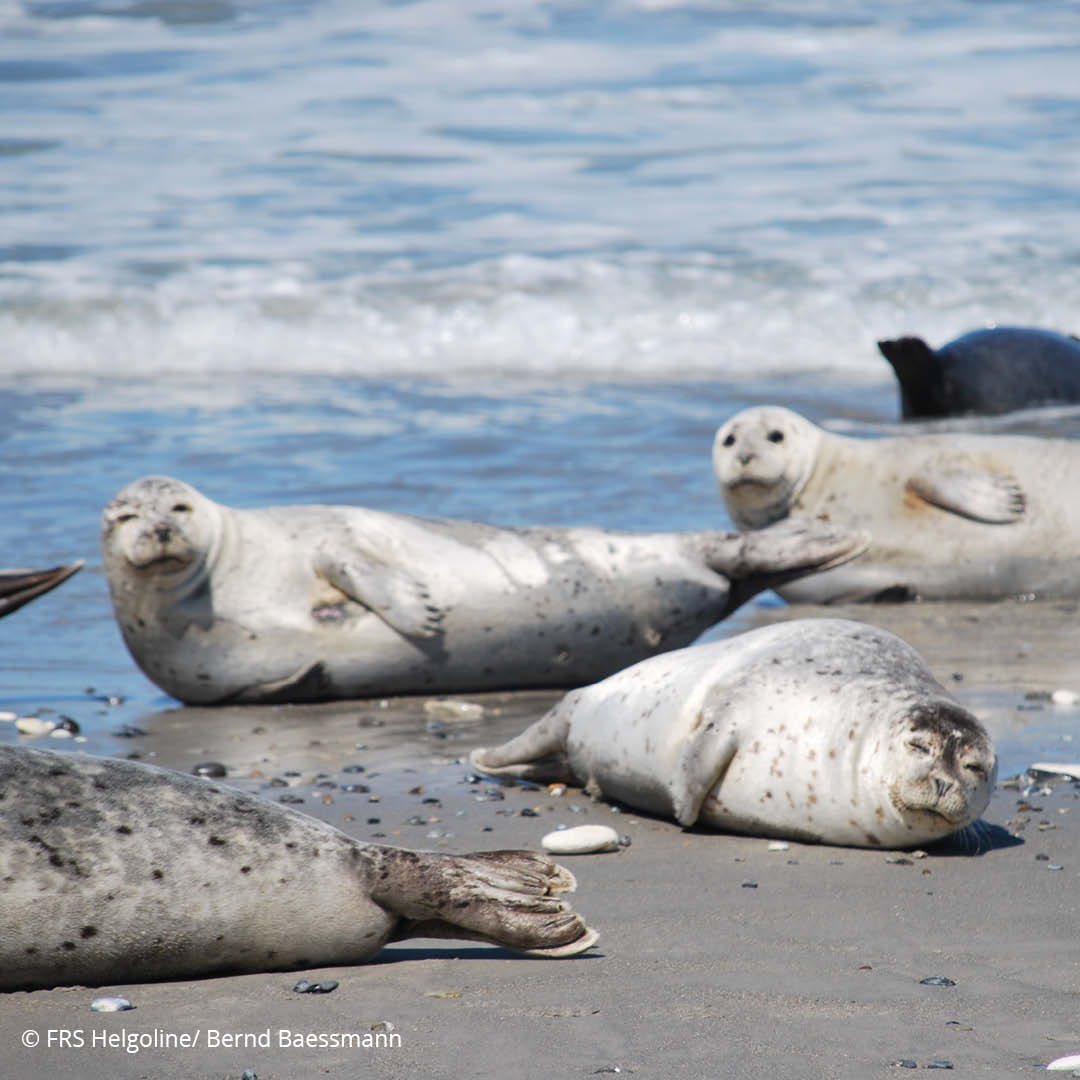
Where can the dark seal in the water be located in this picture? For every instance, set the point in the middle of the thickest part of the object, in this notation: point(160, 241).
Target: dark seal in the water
point(985, 373)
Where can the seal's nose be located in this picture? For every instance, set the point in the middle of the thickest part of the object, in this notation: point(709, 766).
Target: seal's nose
point(746, 457)
point(941, 786)
point(162, 532)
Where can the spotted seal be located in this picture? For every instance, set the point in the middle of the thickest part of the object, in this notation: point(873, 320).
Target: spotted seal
point(985, 372)
point(956, 516)
point(304, 603)
point(822, 730)
point(18, 587)
point(116, 871)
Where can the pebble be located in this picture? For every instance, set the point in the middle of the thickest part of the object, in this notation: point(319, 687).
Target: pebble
point(33, 725)
point(383, 1025)
point(290, 798)
point(454, 710)
point(555, 790)
point(213, 770)
point(128, 731)
point(356, 789)
point(111, 1004)
point(305, 986)
point(936, 980)
point(7, 717)
point(248, 1074)
point(939, 1064)
point(1064, 1064)
point(1065, 697)
point(779, 845)
point(904, 1063)
point(581, 840)
point(353, 768)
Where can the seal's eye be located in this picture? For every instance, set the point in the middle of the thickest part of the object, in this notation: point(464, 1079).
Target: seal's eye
point(181, 508)
point(729, 441)
point(125, 517)
point(776, 436)
point(918, 747)
point(978, 770)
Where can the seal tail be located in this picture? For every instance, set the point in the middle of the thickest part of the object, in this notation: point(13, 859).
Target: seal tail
point(507, 898)
point(18, 587)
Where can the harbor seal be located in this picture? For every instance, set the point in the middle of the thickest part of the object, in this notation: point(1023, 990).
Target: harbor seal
point(985, 372)
point(18, 587)
point(822, 730)
point(951, 517)
point(117, 872)
point(306, 603)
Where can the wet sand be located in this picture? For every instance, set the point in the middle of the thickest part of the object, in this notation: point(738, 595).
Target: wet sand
point(716, 955)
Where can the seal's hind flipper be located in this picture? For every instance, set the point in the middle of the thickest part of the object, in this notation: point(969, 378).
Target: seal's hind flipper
point(18, 587)
point(970, 490)
point(538, 753)
point(507, 898)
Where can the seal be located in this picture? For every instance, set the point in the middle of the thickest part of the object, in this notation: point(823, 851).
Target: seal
point(18, 587)
point(985, 372)
point(312, 603)
point(820, 730)
point(958, 516)
point(115, 872)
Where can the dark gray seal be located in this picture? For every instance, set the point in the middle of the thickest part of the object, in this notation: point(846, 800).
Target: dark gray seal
point(302, 603)
point(18, 587)
point(115, 872)
point(822, 730)
point(985, 372)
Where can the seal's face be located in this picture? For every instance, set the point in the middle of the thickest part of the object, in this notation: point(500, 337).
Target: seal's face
point(762, 459)
point(947, 770)
point(157, 525)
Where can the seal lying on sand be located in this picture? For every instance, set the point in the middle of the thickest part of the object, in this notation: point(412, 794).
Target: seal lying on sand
point(304, 603)
point(978, 517)
point(818, 729)
point(18, 587)
point(986, 372)
point(118, 872)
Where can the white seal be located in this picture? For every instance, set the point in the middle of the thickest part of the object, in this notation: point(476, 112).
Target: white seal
point(950, 516)
point(315, 602)
point(118, 872)
point(820, 730)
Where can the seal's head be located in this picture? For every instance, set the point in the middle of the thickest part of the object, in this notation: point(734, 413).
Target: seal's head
point(944, 772)
point(763, 458)
point(158, 526)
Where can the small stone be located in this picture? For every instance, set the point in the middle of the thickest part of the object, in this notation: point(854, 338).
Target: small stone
point(1065, 697)
point(383, 1025)
point(111, 1004)
point(8, 717)
point(454, 710)
point(68, 725)
point(356, 789)
point(581, 840)
point(33, 725)
point(939, 1064)
point(555, 790)
point(353, 768)
point(904, 1063)
point(898, 860)
point(529, 812)
point(248, 1074)
point(291, 799)
point(306, 986)
point(749, 884)
point(212, 770)
point(936, 980)
point(957, 1026)
point(779, 845)
point(1054, 866)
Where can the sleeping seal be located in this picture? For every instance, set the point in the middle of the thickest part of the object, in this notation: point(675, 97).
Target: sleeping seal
point(18, 587)
point(820, 730)
point(304, 603)
point(985, 372)
point(961, 517)
point(118, 872)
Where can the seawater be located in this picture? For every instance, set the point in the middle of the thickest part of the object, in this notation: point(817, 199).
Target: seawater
point(508, 261)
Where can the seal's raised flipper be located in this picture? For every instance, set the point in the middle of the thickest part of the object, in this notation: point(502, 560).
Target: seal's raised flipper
point(781, 552)
point(376, 575)
point(918, 371)
point(18, 587)
point(972, 491)
point(538, 753)
point(508, 898)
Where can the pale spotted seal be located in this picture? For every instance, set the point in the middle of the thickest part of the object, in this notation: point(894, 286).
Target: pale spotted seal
point(820, 730)
point(957, 516)
point(314, 602)
point(18, 587)
point(985, 372)
point(113, 872)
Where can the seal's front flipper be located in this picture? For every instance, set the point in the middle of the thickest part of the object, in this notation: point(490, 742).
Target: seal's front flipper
point(705, 757)
point(374, 575)
point(18, 587)
point(508, 898)
point(308, 683)
point(970, 490)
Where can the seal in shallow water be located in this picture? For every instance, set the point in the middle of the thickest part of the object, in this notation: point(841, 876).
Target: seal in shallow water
point(114, 872)
point(819, 730)
point(305, 603)
point(957, 516)
point(985, 372)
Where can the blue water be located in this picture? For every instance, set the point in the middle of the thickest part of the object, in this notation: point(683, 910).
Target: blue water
point(507, 261)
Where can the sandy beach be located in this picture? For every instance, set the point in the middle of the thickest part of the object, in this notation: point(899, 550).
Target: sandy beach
point(717, 956)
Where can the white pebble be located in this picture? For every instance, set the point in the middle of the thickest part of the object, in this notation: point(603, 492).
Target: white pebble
point(7, 717)
point(1053, 768)
point(454, 710)
point(34, 725)
point(581, 840)
point(60, 733)
point(779, 845)
point(111, 1004)
point(1065, 1063)
point(1065, 697)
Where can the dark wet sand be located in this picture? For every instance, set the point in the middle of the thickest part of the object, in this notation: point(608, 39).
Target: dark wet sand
point(814, 972)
